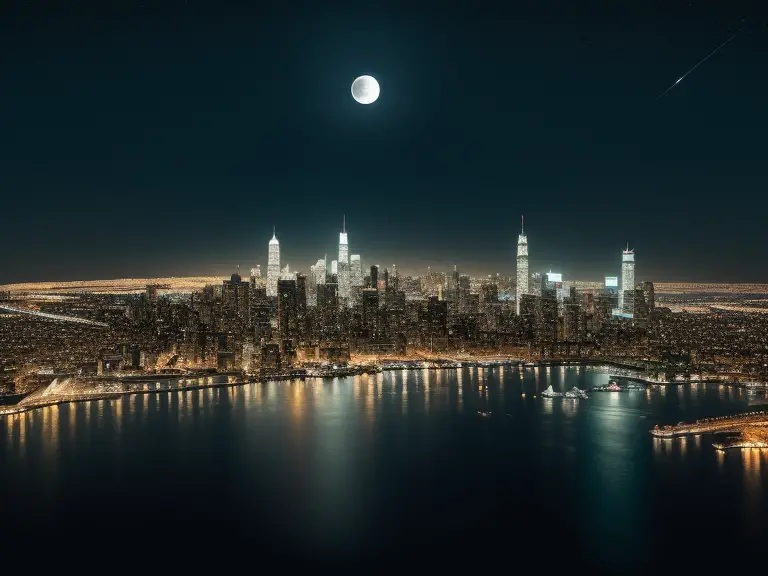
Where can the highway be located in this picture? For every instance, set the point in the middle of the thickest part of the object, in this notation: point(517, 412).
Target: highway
point(59, 317)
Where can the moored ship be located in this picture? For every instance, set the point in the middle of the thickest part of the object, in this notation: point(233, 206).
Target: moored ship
point(550, 393)
point(576, 394)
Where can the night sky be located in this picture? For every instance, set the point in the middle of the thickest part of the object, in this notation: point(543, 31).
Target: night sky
point(168, 140)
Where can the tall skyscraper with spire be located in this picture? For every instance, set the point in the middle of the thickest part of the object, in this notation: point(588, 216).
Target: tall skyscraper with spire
point(273, 265)
point(343, 262)
point(522, 265)
point(627, 290)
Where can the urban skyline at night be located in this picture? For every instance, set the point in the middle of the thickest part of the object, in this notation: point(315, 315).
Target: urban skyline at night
point(384, 283)
point(575, 260)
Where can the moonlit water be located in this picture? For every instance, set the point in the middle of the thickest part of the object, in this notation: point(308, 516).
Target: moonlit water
point(389, 465)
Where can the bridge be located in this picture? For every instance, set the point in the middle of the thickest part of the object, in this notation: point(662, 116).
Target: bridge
point(724, 424)
point(59, 317)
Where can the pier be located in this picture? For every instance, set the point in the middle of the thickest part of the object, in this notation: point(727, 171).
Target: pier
point(725, 424)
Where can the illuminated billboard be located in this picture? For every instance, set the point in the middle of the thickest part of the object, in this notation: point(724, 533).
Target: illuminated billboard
point(611, 282)
point(552, 277)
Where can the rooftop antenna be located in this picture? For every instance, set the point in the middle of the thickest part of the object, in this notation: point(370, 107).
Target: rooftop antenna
point(273, 231)
point(522, 224)
point(344, 228)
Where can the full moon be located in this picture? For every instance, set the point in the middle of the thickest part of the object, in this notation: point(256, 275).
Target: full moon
point(365, 89)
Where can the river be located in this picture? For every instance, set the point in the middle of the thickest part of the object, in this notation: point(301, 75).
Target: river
point(390, 466)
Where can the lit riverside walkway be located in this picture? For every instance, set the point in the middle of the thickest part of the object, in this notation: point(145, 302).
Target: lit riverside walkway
point(721, 424)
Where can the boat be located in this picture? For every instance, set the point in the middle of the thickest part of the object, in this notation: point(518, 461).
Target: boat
point(576, 394)
point(550, 393)
point(635, 387)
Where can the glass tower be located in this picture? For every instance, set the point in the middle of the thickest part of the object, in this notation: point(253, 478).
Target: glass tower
point(343, 262)
point(273, 265)
point(355, 270)
point(522, 265)
point(626, 303)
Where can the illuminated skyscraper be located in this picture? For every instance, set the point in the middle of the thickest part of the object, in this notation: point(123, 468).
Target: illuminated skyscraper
point(320, 272)
point(286, 274)
point(273, 265)
point(627, 288)
point(535, 284)
point(355, 270)
point(522, 265)
point(287, 322)
point(343, 262)
point(649, 295)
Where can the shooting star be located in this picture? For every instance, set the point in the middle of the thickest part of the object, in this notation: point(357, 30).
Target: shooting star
point(699, 63)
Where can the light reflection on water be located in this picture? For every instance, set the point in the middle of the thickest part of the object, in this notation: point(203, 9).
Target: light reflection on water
point(317, 439)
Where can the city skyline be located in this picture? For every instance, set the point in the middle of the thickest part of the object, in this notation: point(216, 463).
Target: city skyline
point(276, 257)
point(348, 284)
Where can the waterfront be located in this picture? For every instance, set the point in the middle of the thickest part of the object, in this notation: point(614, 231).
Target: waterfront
point(389, 464)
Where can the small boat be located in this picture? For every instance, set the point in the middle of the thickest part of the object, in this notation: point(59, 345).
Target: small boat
point(576, 394)
point(550, 393)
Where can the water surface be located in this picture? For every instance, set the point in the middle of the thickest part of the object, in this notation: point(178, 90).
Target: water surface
point(391, 466)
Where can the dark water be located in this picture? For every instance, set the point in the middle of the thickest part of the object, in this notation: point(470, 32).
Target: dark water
point(392, 467)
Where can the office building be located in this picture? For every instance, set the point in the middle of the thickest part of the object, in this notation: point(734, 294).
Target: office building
point(355, 271)
point(287, 321)
point(522, 266)
point(627, 288)
point(273, 266)
point(343, 263)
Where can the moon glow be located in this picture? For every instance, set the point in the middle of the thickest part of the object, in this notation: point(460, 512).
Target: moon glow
point(365, 89)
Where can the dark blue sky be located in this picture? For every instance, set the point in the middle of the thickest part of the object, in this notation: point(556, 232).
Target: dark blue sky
point(154, 141)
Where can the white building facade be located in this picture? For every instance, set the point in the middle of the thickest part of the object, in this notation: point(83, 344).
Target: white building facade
point(273, 266)
point(522, 267)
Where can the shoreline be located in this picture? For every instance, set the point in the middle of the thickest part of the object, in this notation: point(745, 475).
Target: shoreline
point(236, 379)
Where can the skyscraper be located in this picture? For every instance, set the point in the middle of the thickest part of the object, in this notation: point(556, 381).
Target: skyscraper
point(286, 308)
point(316, 278)
point(273, 265)
point(627, 289)
point(522, 265)
point(320, 272)
point(301, 304)
point(370, 319)
point(343, 263)
point(286, 274)
point(355, 270)
point(535, 284)
point(649, 295)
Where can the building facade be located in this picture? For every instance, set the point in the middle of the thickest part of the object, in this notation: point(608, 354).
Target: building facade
point(522, 268)
point(273, 266)
point(343, 263)
point(627, 288)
